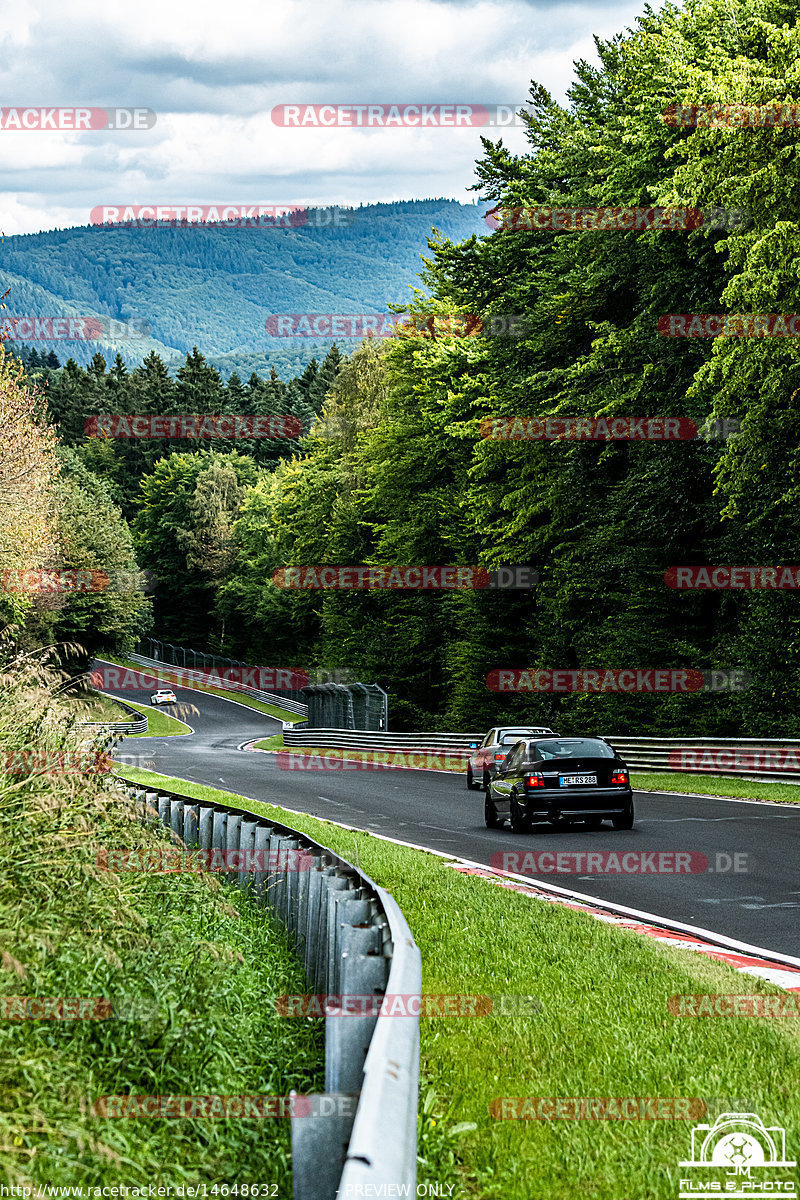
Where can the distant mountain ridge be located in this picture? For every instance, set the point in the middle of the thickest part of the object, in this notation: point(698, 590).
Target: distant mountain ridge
point(215, 288)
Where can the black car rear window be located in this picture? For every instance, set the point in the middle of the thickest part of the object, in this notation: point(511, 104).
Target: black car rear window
point(573, 748)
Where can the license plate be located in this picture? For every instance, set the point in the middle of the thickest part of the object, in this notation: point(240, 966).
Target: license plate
point(576, 780)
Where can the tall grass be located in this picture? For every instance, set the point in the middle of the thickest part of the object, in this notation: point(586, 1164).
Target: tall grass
point(190, 965)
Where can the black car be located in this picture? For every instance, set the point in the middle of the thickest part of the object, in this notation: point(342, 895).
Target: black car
point(560, 780)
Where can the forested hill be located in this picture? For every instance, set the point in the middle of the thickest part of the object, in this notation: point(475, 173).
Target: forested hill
point(215, 288)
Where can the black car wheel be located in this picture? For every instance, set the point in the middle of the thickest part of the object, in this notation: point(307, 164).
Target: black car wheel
point(472, 786)
point(624, 820)
point(490, 813)
point(486, 782)
point(520, 823)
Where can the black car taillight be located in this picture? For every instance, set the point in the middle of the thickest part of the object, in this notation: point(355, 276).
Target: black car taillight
point(534, 781)
point(619, 779)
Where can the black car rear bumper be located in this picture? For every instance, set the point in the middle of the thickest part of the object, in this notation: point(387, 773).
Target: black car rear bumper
point(569, 803)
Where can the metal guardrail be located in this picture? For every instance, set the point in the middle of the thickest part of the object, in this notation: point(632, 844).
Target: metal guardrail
point(191, 676)
point(764, 760)
point(139, 725)
point(353, 939)
point(379, 739)
point(359, 739)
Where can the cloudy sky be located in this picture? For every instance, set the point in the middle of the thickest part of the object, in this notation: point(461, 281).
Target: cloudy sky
point(214, 76)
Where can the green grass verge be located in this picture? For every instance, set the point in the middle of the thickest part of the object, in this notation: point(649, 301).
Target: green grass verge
point(272, 710)
point(604, 1030)
point(716, 785)
point(191, 964)
point(271, 743)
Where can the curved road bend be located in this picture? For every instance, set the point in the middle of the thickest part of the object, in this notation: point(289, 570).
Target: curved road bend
point(760, 906)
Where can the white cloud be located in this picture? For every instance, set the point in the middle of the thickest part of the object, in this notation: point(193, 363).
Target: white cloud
point(213, 78)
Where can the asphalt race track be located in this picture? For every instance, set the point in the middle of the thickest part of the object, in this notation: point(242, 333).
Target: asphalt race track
point(760, 906)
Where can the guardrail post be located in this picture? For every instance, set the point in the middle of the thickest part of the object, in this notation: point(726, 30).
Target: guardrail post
point(291, 846)
point(219, 830)
point(313, 906)
point(232, 842)
point(176, 817)
point(343, 910)
point(205, 823)
point(331, 883)
point(247, 842)
point(140, 803)
point(261, 846)
point(163, 809)
point(319, 1146)
point(301, 904)
point(347, 1038)
point(151, 808)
